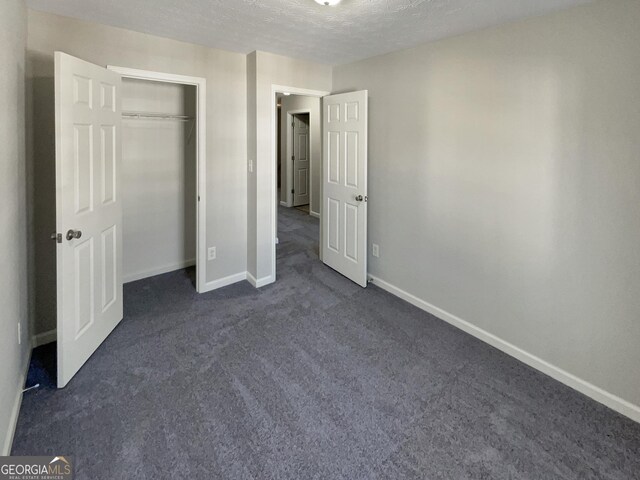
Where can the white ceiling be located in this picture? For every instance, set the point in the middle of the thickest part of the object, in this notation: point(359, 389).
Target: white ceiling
point(352, 30)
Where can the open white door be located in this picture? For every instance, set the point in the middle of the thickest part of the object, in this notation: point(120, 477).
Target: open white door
point(344, 174)
point(301, 162)
point(88, 209)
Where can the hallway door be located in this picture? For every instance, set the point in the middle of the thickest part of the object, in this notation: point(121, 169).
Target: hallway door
point(301, 162)
point(344, 176)
point(88, 209)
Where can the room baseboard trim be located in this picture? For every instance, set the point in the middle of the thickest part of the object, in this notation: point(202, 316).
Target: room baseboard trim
point(44, 338)
point(15, 411)
point(158, 271)
point(314, 214)
point(223, 282)
point(612, 401)
point(260, 282)
point(284, 204)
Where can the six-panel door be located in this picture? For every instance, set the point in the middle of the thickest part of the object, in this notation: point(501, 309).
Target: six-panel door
point(344, 213)
point(301, 161)
point(88, 209)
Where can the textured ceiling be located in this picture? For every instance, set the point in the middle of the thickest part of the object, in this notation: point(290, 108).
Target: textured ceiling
point(352, 30)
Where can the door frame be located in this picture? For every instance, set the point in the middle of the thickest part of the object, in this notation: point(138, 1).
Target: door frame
point(201, 156)
point(275, 89)
point(289, 150)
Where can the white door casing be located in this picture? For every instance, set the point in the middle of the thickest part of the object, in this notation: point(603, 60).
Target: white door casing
point(88, 159)
point(301, 161)
point(344, 176)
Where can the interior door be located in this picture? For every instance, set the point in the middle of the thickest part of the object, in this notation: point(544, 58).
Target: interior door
point(301, 162)
point(344, 173)
point(88, 209)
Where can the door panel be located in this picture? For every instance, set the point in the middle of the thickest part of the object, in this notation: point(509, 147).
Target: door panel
point(89, 263)
point(301, 162)
point(345, 184)
point(109, 267)
point(333, 225)
point(351, 159)
point(333, 153)
point(351, 232)
point(108, 163)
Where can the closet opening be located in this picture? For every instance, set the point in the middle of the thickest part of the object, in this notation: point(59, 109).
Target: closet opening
point(162, 167)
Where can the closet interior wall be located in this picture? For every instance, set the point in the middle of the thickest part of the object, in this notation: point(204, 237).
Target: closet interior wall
point(158, 177)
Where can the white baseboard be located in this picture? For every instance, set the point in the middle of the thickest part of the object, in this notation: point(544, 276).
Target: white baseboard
point(44, 338)
point(314, 214)
point(158, 271)
point(15, 412)
point(260, 282)
point(598, 394)
point(223, 282)
point(284, 204)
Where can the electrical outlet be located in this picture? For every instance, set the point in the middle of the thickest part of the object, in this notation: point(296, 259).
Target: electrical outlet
point(251, 166)
point(211, 253)
point(19, 333)
point(375, 251)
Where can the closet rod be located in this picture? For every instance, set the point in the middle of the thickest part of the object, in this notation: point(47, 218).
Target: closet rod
point(155, 116)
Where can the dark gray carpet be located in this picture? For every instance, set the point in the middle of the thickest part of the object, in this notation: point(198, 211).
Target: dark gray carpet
point(312, 378)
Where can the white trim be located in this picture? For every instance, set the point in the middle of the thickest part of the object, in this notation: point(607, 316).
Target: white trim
point(201, 153)
point(273, 174)
point(44, 338)
point(314, 214)
point(15, 412)
point(284, 204)
point(223, 282)
point(133, 277)
point(261, 282)
point(596, 393)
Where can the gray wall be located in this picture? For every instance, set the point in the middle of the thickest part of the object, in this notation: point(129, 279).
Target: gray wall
point(312, 104)
point(225, 73)
point(14, 303)
point(504, 183)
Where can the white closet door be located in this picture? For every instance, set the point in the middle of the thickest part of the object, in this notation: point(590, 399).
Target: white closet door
point(88, 209)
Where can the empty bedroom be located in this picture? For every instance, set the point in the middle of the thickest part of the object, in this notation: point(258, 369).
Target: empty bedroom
point(329, 239)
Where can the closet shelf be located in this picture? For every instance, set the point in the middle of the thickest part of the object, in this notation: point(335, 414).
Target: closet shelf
point(155, 116)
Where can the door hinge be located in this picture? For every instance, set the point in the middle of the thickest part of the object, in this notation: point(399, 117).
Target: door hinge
point(293, 191)
point(57, 237)
point(293, 158)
